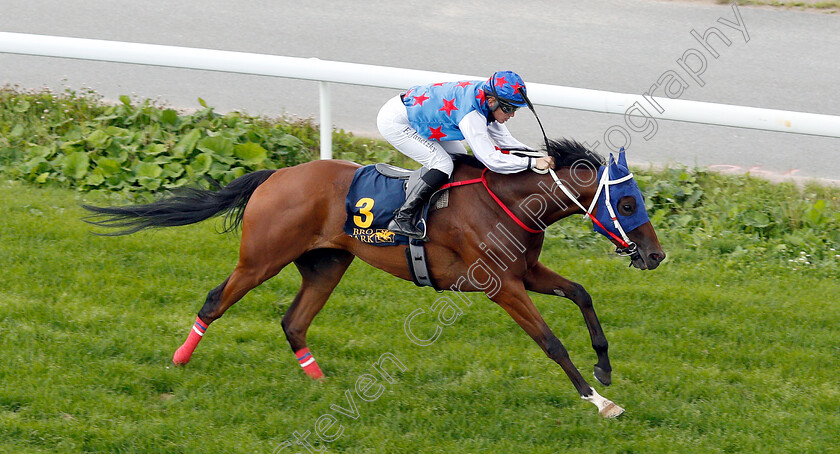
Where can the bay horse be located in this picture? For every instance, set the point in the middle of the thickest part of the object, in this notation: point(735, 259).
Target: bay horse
point(296, 214)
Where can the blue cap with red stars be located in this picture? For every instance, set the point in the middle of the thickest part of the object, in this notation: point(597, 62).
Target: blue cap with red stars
point(504, 85)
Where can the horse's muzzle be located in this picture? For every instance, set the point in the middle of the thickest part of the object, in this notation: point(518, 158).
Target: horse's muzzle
point(651, 262)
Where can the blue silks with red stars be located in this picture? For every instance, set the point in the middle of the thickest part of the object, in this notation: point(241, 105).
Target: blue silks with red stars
point(435, 110)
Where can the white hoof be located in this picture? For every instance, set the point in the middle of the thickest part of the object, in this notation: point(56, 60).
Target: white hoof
point(606, 408)
point(611, 410)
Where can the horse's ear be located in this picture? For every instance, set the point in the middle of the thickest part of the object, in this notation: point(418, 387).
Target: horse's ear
point(622, 160)
point(612, 167)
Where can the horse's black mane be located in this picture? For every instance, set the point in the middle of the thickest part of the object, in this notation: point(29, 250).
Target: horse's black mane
point(566, 152)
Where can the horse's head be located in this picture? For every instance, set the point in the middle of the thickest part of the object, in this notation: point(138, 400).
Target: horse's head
point(620, 209)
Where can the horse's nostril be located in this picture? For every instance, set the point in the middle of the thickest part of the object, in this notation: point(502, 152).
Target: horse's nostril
point(657, 257)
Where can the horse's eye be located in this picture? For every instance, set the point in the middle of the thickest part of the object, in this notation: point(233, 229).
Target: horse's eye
point(626, 206)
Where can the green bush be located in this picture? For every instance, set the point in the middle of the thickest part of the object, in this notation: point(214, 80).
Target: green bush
point(79, 141)
point(742, 216)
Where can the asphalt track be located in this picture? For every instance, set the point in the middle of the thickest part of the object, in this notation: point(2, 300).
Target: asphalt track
point(780, 59)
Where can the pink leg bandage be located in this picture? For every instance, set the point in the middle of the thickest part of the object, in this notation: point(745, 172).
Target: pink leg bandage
point(182, 355)
point(307, 362)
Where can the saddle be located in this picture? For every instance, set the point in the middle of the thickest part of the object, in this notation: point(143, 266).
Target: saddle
point(375, 193)
point(393, 171)
point(439, 199)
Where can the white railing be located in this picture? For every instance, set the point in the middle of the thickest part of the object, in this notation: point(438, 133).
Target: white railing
point(387, 77)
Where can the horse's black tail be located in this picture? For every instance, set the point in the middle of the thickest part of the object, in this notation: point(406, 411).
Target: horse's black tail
point(182, 206)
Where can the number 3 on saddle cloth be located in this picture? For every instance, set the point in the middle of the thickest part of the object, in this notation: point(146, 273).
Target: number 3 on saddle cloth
point(376, 192)
point(371, 202)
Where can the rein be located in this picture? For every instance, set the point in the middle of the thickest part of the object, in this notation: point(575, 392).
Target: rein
point(627, 247)
point(483, 180)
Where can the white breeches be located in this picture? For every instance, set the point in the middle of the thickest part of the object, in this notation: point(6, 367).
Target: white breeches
point(394, 126)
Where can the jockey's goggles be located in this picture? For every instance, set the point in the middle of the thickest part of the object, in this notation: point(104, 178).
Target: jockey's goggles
point(506, 107)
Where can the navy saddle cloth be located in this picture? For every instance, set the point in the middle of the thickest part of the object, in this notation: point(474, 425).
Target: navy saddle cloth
point(370, 203)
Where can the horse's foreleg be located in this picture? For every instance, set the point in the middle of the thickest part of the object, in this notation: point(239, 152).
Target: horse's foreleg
point(321, 270)
point(541, 279)
point(515, 301)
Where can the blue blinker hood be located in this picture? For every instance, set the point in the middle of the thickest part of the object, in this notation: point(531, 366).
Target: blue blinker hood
point(618, 169)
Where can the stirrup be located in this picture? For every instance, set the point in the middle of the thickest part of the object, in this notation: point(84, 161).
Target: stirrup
point(416, 231)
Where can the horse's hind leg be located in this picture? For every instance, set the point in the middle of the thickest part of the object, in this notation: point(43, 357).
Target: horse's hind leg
point(252, 270)
point(321, 270)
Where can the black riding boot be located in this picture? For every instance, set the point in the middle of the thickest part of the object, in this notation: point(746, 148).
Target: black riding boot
point(415, 197)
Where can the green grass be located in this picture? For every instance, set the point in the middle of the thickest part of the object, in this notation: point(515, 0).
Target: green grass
point(712, 352)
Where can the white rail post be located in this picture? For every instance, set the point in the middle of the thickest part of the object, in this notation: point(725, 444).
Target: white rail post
point(326, 120)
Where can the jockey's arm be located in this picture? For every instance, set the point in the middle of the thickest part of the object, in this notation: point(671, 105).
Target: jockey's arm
point(476, 132)
point(503, 138)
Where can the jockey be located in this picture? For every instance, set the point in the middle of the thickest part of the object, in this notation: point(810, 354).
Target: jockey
point(428, 122)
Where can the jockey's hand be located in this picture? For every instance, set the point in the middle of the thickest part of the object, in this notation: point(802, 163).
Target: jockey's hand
point(544, 163)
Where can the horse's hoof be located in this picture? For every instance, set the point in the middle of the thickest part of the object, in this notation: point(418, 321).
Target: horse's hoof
point(181, 357)
point(604, 377)
point(611, 411)
point(315, 375)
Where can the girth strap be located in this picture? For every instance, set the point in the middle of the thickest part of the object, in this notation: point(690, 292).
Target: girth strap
point(415, 253)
